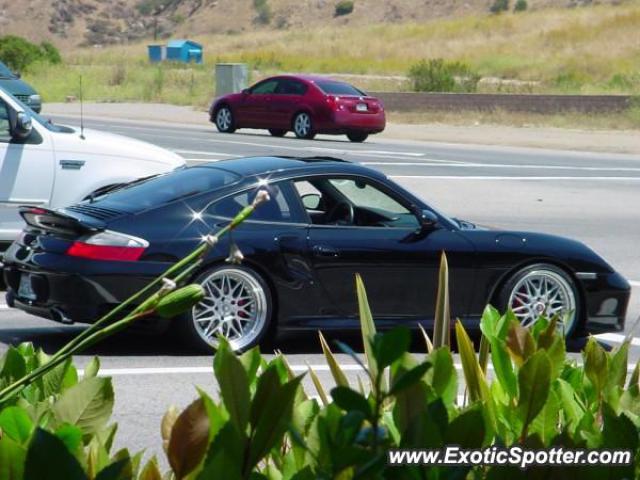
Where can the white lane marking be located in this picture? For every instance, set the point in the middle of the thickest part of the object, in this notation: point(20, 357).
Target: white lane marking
point(634, 283)
point(4, 306)
point(383, 153)
point(616, 338)
point(203, 160)
point(504, 166)
point(114, 372)
point(495, 177)
point(204, 152)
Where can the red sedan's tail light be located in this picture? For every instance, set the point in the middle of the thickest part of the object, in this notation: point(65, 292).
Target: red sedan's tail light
point(334, 102)
point(109, 245)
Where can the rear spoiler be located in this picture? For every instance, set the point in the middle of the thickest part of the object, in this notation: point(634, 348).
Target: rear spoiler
point(57, 222)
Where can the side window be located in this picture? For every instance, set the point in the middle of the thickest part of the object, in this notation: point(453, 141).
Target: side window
point(364, 195)
point(265, 88)
point(5, 136)
point(289, 86)
point(277, 209)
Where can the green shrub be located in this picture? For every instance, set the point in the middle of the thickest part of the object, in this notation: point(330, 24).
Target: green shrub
point(520, 6)
point(499, 6)
point(438, 75)
point(343, 7)
point(18, 53)
point(263, 10)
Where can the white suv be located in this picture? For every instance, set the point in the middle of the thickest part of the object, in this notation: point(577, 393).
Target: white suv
point(53, 166)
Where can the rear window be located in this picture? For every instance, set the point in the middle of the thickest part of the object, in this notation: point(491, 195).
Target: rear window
point(167, 188)
point(339, 88)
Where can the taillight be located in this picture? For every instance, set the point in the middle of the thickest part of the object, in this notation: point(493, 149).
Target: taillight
point(334, 102)
point(109, 245)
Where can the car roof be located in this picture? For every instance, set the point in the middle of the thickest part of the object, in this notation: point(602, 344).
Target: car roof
point(282, 166)
point(309, 78)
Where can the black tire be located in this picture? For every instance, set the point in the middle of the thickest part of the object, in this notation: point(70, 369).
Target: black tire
point(224, 120)
point(302, 126)
point(572, 300)
point(194, 337)
point(277, 132)
point(357, 137)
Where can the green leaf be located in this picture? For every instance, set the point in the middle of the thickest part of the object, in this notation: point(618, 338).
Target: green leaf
point(234, 385)
point(442, 320)
point(225, 457)
point(504, 368)
point(338, 375)
point(470, 365)
point(59, 379)
point(250, 360)
point(618, 367)
point(118, 470)
point(318, 385)
point(14, 366)
point(483, 354)
point(534, 381)
point(71, 437)
point(15, 423)
point(596, 365)
point(489, 322)
point(389, 346)
point(88, 404)
point(273, 419)
point(546, 423)
point(92, 368)
point(427, 340)
point(151, 471)
point(409, 378)
point(520, 343)
point(189, 439)
point(12, 457)
point(571, 409)
point(368, 329)
point(468, 429)
point(443, 377)
point(349, 400)
point(49, 459)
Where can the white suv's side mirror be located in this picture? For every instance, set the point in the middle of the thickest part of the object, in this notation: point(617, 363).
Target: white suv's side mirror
point(22, 127)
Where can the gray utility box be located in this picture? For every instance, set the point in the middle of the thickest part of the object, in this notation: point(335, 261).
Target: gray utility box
point(231, 77)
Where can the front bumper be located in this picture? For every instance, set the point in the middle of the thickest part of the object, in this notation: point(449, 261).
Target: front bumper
point(606, 301)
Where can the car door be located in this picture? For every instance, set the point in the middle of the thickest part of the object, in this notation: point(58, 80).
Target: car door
point(26, 172)
point(253, 110)
point(286, 102)
point(398, 262)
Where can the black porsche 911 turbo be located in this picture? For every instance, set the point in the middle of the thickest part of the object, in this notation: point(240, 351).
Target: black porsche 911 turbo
point(327, 220)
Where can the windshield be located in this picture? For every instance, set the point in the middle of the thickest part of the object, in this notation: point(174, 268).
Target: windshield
point(159, 190)
point(339, 88)
point(5, 72)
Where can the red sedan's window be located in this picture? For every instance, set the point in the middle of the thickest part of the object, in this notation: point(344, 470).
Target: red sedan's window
point(265, 88)
point(288, 86)
point(331, 87)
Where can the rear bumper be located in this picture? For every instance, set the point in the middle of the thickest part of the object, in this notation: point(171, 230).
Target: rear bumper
point(606, 301)
point(77, 290)
point(363, 122)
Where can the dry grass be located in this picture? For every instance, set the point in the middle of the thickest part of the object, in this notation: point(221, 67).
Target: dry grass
point(582, 50)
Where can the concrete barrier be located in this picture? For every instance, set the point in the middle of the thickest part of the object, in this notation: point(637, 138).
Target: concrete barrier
point(533, 103)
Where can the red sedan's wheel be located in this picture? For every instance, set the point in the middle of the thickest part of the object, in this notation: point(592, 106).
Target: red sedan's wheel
point(224, 120)
point(357, 137)
point(303, 126)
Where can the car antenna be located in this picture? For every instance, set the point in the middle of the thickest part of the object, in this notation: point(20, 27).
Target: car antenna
point(81, 112)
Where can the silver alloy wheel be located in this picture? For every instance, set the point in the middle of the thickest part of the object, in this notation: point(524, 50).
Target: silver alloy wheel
point(223, 119)
point(302, 125)
point(543, 292)
point(235, 306)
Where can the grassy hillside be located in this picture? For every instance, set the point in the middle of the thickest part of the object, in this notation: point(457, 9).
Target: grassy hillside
point(583, 50)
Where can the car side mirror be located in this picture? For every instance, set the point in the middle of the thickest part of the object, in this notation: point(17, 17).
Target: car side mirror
point(21, 126)
point(311, 201)
point(428, 220)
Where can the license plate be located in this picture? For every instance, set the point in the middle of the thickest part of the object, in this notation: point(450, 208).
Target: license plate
point(361, 107)
point(25, 290)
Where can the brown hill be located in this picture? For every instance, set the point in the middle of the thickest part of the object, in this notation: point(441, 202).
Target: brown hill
point(97, 22)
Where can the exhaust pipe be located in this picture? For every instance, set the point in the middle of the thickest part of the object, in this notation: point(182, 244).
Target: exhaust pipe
point(59, 316)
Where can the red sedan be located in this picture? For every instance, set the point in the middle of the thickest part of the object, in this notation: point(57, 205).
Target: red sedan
point(304, 104)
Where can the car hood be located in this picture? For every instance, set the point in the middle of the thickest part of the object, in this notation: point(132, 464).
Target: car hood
point(16, 86)
point(108, 144)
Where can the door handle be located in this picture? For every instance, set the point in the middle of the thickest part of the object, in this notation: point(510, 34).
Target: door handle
point(325, 251)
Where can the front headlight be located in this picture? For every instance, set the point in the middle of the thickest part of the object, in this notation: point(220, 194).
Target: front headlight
point(35, 98)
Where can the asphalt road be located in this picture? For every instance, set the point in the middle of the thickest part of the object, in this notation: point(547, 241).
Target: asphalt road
point(591, 197)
